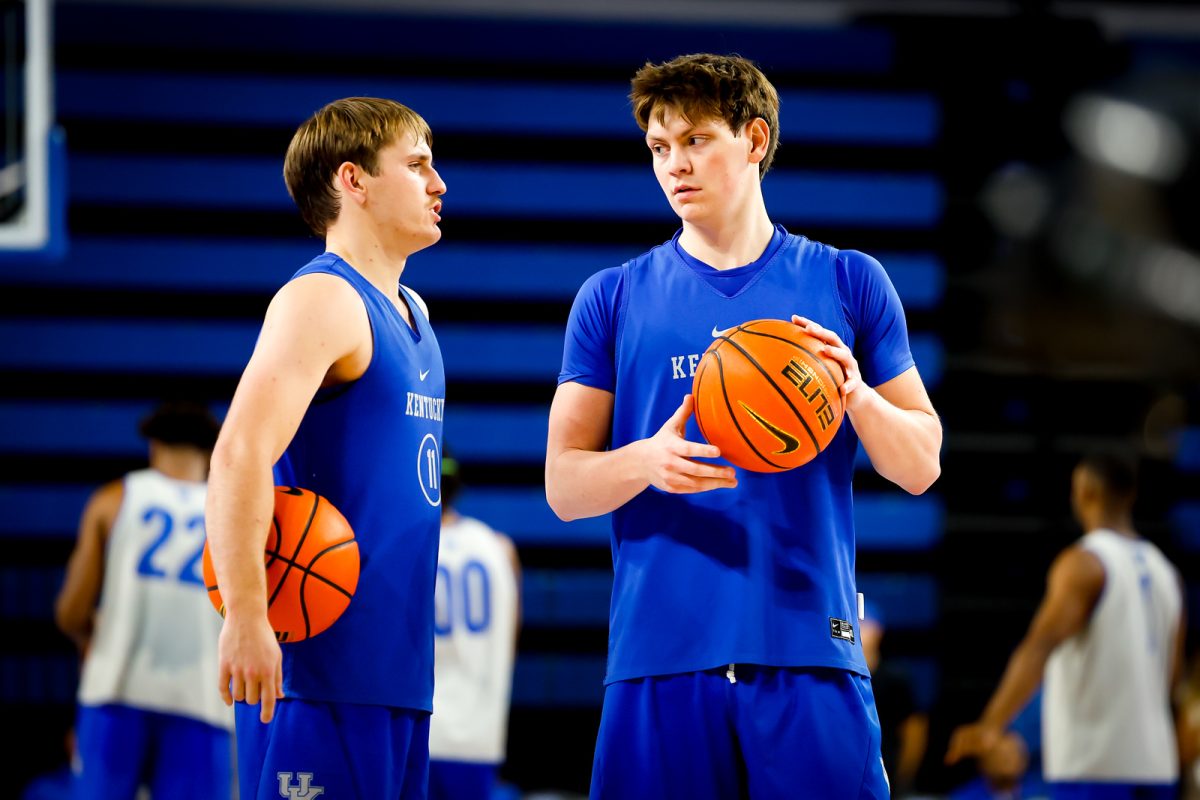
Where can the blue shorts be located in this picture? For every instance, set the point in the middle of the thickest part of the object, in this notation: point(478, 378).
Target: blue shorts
point(1112, 791)
point(460, 780)
point(775, 733)
point(345, 751)
point(121, 748)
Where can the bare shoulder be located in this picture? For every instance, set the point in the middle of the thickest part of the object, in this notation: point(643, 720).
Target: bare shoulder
point(104, 503)
point(319, 314)
point(1077, 566)
point(108, 497)
point(319, 295)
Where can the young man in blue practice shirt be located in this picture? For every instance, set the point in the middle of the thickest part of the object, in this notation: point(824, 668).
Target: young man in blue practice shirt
point(735, 667)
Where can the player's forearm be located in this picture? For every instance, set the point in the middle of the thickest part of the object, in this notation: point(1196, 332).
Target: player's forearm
point(585, 483)
point(904, 445)
point(914, 736)
point(74, 621)
point(75, 606)
point(1021, 679)
point(237, 519)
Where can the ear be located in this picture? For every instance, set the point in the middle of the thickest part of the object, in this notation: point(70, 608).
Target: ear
point(758, 135)
point(1090, 490)
point(348, 180)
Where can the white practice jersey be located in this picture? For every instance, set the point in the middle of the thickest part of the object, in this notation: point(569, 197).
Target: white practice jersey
point(1106, 713)
point(155, 641)
point(475, 627)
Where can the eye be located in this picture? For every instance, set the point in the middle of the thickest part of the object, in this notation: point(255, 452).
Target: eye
point(658, 149)
point(697, 140)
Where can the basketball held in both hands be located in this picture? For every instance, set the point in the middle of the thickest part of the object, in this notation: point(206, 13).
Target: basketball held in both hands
point(766, 397)
point(312, 565)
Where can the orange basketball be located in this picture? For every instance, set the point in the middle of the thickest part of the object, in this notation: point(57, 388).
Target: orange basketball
point(312, 565)
point(765, 398)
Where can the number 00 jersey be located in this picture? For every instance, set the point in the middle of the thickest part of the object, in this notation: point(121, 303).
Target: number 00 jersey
point(155, 643)
point(1106, 707)
point(473, 651)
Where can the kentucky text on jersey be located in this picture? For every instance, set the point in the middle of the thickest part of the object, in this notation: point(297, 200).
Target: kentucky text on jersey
point(677, 362)
point(425, 407)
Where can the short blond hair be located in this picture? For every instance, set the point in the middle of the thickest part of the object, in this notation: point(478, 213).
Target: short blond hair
point(353, 129)
point(704, 87)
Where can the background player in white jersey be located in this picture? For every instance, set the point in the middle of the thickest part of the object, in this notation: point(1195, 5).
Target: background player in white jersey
point(134, 601)
point(478, 609)
point(1108, 640)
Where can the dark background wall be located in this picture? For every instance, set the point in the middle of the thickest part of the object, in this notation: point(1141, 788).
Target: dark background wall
point(941, 144)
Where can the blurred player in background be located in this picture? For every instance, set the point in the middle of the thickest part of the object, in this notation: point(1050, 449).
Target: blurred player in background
point(904, 726)
point(478, 618)
point(134, 602)
point(1108, 641)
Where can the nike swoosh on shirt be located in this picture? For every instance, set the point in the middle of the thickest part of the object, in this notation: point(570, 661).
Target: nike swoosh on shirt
point(717, 331)
point(424, 374)
point(790, 443)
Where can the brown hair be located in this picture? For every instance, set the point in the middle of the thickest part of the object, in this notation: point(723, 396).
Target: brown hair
point(708, 87)
point(181, 423)
point(353, 129)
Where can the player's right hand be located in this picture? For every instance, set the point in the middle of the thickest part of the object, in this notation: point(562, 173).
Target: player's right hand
point(251, 663)
point(667, 459)
point(972, 741)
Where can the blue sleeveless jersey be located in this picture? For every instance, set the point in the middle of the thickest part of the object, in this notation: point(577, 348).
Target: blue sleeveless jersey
point(373, 449)
point(763, 573)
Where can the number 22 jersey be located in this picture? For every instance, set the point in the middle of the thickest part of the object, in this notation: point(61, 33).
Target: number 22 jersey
point(155, 642)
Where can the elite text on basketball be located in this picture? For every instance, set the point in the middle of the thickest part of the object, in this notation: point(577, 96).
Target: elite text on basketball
point(802, 376)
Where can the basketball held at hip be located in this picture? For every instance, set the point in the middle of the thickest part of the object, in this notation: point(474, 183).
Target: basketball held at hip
point(312, 565)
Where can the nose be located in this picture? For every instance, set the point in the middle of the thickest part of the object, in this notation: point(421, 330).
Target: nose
point(677, 161)
point(437, 186)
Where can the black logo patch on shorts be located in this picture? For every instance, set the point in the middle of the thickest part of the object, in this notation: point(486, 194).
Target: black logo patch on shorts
point(841, 629)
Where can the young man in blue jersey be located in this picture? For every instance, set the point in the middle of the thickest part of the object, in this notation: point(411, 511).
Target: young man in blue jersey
point(735, 667)
point(328, 400)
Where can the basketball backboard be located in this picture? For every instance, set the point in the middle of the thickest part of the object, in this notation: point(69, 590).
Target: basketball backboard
point(32, 153)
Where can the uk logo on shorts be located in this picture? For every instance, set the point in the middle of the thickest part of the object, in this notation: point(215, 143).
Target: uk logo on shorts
point(305, 791)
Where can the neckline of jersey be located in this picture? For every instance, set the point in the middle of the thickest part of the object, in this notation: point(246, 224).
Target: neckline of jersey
point(414, 330)
point(747, 273)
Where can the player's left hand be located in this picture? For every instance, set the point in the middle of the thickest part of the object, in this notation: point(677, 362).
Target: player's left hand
point(836, 350)
point(972, 741)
